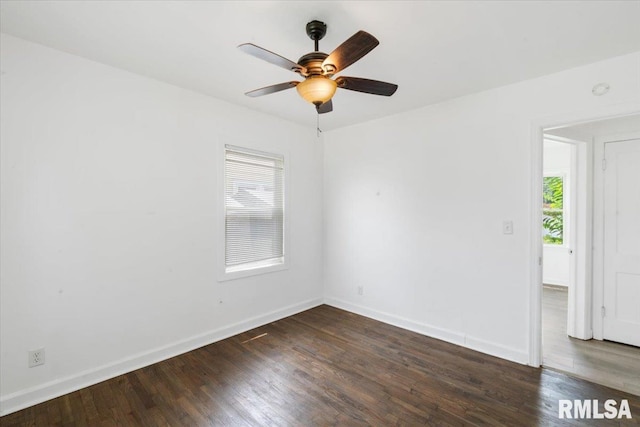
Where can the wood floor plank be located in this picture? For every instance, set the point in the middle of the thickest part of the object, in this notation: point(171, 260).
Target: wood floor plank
point(604, 362)
point(326, 366)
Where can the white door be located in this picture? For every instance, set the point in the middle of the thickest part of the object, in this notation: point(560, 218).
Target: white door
point(621, 320)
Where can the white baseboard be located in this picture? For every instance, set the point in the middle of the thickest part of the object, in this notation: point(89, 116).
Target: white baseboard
point(401, 322)
point(41, 393)
point(554, 282)
point(447, 335)
point(497, 350)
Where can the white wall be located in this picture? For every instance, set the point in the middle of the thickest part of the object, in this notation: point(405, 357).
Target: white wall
point(108, 239)
point(414, 205)
point(557, 261)
point(109, 206)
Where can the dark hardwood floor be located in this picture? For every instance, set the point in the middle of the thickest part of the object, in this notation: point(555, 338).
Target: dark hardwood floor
point(326, 366)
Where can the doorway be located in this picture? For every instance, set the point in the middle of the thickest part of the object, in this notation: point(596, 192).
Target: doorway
point(567, 236)
point(570, 305)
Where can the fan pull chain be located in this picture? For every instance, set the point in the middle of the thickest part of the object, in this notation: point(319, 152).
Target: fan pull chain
point(318, 130)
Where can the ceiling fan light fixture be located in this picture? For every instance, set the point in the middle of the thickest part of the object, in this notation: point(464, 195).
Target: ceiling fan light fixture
point(317, 89)
point(318, 68)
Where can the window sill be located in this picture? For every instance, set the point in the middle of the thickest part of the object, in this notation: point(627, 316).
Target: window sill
point(233, 274)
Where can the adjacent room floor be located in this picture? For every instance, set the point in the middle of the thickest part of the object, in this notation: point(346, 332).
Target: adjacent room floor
point(323, 367)
point(604, 362)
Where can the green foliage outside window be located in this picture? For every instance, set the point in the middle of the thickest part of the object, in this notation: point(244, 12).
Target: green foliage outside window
point(552, 210)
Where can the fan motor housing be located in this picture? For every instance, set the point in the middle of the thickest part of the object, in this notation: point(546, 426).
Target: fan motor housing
point(313, 63)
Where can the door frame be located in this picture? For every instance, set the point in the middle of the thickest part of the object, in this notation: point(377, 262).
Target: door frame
point(535, 192)
point(579, 158)
point(598, 226)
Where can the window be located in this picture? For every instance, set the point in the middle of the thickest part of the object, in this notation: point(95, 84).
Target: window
point(553, 210)
point(253, 209)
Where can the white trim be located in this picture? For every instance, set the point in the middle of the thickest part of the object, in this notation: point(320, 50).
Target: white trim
point(569, 238)
point(442, 334)
point(556, 282)
point(581, 210)
point(555, 138)
point(567, 193)
point(583, 263)
point(598, 238)
point(497, 350)
point(225, 275)
point(598, 226)
point(535, 248)
point(41, 393)
point(249, 147)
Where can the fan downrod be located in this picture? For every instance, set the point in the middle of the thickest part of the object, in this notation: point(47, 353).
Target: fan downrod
point(316, 31)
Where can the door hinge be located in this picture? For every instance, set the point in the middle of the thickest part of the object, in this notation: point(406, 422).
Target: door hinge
point(604, 164)
point(539, 260)
point(604, 311)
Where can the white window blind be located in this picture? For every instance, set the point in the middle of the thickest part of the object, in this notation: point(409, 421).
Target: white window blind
point(254, 209)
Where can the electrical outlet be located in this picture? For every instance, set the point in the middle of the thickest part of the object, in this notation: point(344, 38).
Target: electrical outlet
point(36, 357)
point(360, 290)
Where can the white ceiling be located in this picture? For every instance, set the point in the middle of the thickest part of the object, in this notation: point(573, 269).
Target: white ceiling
point(433, 50)
point(617, 125)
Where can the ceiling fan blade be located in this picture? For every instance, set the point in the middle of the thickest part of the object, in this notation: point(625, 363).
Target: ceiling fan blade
point(271, 57)
point(354, 48)
point(327, 107)
point(271, 89)
point(374, 87)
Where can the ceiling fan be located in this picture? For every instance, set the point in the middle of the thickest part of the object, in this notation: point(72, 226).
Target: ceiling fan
point(318, 68)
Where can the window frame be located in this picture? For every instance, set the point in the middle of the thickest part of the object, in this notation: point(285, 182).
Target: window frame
point(565, 207)
point(256, 269)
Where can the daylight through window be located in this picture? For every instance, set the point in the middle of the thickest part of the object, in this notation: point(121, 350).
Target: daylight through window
point(553, 210)
point(254, 209)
